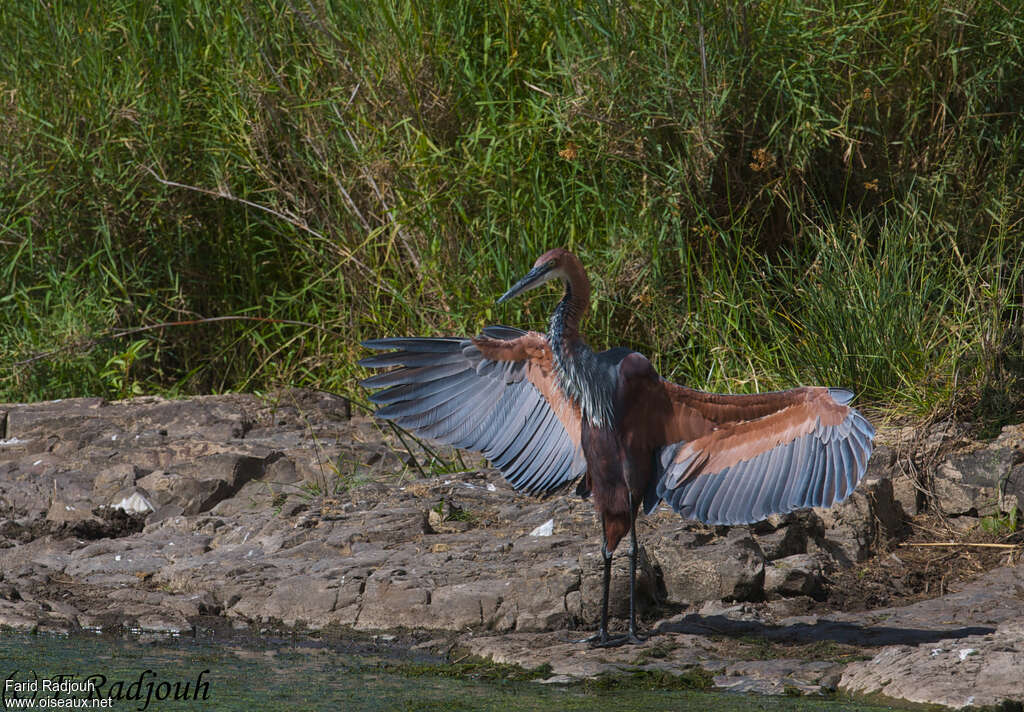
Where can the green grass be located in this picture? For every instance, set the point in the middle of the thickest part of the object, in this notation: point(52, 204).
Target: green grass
point(766, 194)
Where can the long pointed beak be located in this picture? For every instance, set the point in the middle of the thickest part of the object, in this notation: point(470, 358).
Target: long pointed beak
point(534, 278)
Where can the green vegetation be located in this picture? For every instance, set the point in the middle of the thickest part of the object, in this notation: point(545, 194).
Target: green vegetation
point(1001, 524)
point(766, 194)
point(696, 678)
point(477, 669)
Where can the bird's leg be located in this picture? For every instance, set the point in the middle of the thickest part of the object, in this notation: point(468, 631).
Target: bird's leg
point(601, 637)
point(633, 636)
point(603, 632)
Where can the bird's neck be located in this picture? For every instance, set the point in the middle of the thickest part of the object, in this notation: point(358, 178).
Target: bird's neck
point(575, 363)
point(565, 321)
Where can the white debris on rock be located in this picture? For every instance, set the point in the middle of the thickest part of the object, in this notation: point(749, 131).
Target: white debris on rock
point(135, 503)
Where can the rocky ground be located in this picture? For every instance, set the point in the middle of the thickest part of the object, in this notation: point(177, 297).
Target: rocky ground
point(289, 510)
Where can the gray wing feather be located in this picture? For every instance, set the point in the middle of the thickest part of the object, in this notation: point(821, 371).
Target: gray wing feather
point(409, 376)
point(465, 417)
point(801, 461)
point(549, 456)
point(498, 426)
point(766, 488)
point(527, 446)
point(443, 388)
point(818, 469)
point(404, 358)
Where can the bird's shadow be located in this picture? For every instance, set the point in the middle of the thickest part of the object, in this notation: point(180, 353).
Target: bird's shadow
point(818, 631)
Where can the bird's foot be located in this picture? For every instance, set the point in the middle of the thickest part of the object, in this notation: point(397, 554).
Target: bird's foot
point(628, 639)
point(595, 639)
point(603, 640)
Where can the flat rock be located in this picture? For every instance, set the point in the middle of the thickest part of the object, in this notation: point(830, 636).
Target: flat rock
point(972, 671)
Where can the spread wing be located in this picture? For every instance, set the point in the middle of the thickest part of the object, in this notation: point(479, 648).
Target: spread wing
point(735, 459)
point(496, 394)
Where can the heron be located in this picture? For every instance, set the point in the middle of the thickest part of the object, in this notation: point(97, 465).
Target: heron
point(547, 411)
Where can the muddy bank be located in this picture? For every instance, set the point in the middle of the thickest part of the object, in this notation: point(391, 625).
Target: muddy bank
point(289, 511)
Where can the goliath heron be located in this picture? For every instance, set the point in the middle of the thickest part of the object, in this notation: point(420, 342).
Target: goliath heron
point(546, 410)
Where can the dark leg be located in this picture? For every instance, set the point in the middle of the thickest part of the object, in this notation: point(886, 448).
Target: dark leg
point(632, 636)
point(602, 634)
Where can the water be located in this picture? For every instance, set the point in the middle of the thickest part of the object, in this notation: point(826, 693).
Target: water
point(282, 675)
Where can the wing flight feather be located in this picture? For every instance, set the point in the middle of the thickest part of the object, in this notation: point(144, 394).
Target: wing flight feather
point(736, 459)
point(496, 394)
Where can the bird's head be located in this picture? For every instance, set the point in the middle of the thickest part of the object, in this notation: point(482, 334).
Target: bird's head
point(551, 265)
